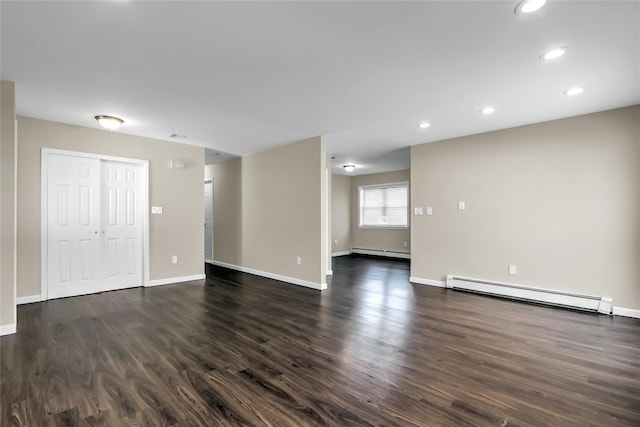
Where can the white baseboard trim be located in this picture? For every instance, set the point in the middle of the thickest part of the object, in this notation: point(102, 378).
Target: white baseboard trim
point(171, 280)
point(381, 252)
point(627, 312)
point(7, 329)
point(429, 282)
point(28, 300)
point(293, 280)
point(341, 253)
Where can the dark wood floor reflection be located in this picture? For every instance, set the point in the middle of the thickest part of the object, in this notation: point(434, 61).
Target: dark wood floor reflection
point(371, 350)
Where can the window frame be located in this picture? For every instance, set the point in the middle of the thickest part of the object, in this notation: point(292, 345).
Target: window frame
point(362, 188)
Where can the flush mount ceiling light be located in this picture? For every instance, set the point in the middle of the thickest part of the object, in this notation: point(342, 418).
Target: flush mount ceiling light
point(423, 125)
point(574, 91)
point(488, 110)
point(109, 122)
point(349, 168)
point(528, 6)
point(553, 54)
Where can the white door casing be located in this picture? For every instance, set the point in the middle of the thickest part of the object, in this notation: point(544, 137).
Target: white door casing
point(94, 223)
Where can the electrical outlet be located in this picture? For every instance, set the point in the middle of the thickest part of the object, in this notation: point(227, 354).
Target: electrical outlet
point(405, 244)
point(429, 211)
point(513, 269)
point(335, 242)
point(461, 205)
point(299, 260)
point(174, 259)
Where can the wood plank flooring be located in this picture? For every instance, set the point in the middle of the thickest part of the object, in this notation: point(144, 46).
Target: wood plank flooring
point(372, 350)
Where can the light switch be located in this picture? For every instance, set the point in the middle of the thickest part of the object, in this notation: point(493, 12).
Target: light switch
point(156, 210)
point(461, 206)
point(417, 211)
point(513, 269)
point(429, 210)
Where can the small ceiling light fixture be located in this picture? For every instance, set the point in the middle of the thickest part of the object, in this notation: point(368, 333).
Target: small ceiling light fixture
point(423, 125)
point(553, 54)
point(349, 168)
point(574, 91)
point(528, 6)
point(109, 122)
point(488, 110)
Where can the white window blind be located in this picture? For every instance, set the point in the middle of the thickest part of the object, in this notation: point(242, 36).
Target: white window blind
point(384, 206)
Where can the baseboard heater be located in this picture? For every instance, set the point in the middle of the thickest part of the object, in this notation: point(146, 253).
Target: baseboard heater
point(381, 252)
point(542, 296)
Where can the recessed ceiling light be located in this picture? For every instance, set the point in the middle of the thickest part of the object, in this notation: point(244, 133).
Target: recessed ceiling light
point(574, 91)
point(488, 110)
point(423, 125)
point(528, 6)
point(553, 54)
point(109, 122)
point(349, 168)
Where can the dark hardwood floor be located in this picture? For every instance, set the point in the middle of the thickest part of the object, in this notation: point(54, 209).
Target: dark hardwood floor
point(371, 350)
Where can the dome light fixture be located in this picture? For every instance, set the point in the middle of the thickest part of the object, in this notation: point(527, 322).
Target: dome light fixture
point(488, 110)
point(528, 6)
point(574, 91)
point(349, 168)
point(423, 125)
point(109, 122)
point(553, 54)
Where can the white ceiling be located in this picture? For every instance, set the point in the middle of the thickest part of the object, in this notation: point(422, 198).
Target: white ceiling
point(242, 77)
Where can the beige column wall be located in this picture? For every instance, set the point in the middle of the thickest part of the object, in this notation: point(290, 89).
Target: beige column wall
point(7, 207)
point(560, 200)
point(341, 213)
point(178, 231)
point(270, 208)
point(389, 239)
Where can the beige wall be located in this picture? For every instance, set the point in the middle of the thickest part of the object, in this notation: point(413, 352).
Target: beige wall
point(389, 239)
point(7, 204)
point(269, 208)
point(341, 213)
point(560, 200)
point(178, 231)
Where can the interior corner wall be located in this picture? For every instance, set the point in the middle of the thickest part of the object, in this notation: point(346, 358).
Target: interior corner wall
point(268, 210)
point(7, 207)
point(178, 231)
point(559, 199)
point(341, 213)
point(378, 239)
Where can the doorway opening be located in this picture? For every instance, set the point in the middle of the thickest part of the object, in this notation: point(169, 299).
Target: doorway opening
point(208, 220)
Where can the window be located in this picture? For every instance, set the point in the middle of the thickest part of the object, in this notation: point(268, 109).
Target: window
point(384, 206)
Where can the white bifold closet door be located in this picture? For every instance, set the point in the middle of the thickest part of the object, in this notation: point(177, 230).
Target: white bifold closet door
point(94, 225)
